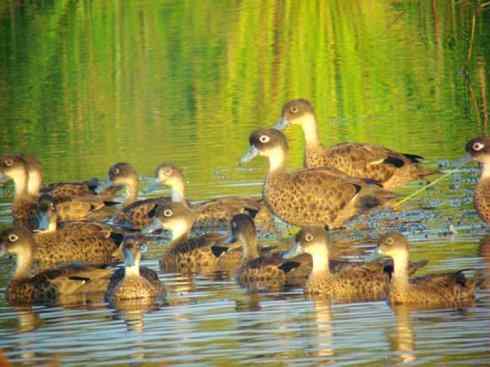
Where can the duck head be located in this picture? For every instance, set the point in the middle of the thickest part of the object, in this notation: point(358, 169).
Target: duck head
point(269, 143)
point(169, 175)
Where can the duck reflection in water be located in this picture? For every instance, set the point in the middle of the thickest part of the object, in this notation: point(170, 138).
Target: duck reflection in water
point(403, 340)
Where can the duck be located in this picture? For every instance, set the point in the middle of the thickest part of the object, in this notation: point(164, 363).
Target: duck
point(262, 272)
point(51, 286)
point(311, 196)
point(214, 213)
point(58, 248)
point(134, 282)
point(478, 149)
point(185, 254)
point(27, 179)
point(431, 291)
point(134, 214)
point(349, 282)
point(385, 166)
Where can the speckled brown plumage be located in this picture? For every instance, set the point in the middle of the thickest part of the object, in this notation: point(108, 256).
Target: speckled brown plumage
point(433, 291)
point(133, 281)
point(479, 150)
point(319, 196)
point(135, 215)
point(391, 169)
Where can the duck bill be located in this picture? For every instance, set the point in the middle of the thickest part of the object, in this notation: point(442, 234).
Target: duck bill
point(458, 163)
point(152, 227)
point(251, 154)
point(102, 186)
point(281, 124)
point(128, 258)
point(294, 251)
point(154, 186)
point(375, 255)
point(230, 239)
point(43, 221)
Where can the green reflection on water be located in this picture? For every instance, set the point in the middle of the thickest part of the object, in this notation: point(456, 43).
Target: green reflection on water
point(85, 84)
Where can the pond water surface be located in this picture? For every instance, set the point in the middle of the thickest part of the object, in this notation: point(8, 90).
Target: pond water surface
point(84, 84)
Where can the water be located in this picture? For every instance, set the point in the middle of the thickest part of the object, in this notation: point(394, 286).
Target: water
point(87, 84)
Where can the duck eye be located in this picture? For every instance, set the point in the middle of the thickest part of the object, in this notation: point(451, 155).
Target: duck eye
point(389, 241)
point(264, 139)
point(13, 237)
point(168, 212)
point(478, 146)
point(116, 171)
point(9, 162)
point(293, 109)
point(308, 237)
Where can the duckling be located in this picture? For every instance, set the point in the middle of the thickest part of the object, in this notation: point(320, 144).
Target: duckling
point(391, 169)
point(479, 150)
point(354, 282)
point(320, 196)
point(135, 212)
point(50, 286)
point(260, 272)
point(134, 282)
point(59, 248)
point(433, 291)
point(215, 213)
point(188, 255)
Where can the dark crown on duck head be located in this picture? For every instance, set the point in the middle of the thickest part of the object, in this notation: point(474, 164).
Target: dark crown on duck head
point(266, 139)
point(122, 170)
point(296, 108)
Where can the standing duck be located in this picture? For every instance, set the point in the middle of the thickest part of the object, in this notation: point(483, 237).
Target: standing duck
point(354, 282)
point(391, 169)
point(133, 282)
point(432, 291)
point(50, 286)
point(479, 150)
point(214, 213)
point(261, 272)
point(320, 196)
point(184, 254)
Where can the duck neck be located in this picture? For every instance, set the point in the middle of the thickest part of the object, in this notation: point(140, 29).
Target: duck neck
point(249, 248)
point(180, 233)
point(310, 131)
point(134, 270)
point(132, 191)
point(34, 182)
point(400, 271)
point(24, 263)
point(177, 191)
point(320, 261)
point(277, 160)
point(485, 171)
point(20, 180)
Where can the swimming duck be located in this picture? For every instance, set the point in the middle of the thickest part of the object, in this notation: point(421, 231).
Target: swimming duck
point(354, 282)
point(433, 291)
point(269, 271)
point(479, 150)
point(133, 282)
point(210, 213)
point(389, 168)
point(57, 248)
point(320, 196)
point(49, 286)
point(188, 255)
point(134, 213)
point(20, 170)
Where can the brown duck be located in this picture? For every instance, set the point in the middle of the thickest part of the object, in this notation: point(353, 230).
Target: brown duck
point(479, 150)
point(133, 282)
point(262, 272)
point(214, 213)
point(391, 169)
point(320, 196)
point(50, 286)
point(351, 282)
point(432, 291)
point(201, 254)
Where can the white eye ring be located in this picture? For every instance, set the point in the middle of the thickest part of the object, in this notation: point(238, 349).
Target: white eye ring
point(389, 241)
point(478, 146)
point(13, 237)
point(9, 162)
point(168, 212)
point(293, 109)
point(115, 171)
point(308, 237)
point(264, 139)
